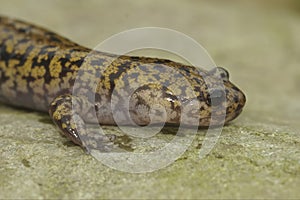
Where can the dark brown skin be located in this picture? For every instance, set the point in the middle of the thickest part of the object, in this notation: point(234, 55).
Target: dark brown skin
point(38, 69)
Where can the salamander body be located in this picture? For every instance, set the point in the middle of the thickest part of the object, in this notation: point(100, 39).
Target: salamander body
point(43, 71)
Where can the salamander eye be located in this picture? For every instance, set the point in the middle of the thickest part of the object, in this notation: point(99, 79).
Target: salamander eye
point(216, 97)
point(223, 73)
point(220, 72)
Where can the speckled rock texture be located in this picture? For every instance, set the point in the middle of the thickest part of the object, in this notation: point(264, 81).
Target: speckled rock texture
point(257, 155)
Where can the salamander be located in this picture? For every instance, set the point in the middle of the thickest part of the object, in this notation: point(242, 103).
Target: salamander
point(44, 71)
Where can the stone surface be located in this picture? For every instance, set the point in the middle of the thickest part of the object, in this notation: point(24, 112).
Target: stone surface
point(257, 155)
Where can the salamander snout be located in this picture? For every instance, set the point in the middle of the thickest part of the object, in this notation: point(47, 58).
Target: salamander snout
point(223, 98)
point(235, 101)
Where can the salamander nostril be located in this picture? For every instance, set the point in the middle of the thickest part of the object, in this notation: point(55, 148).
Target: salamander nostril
point(217, 97)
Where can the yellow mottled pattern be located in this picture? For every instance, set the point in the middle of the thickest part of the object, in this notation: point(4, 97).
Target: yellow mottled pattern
point(26, 68)
point(55, 67)
point(37, 72)
point(9, 46)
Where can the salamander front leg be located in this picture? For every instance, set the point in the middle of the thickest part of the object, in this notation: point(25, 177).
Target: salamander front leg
point(69, 119)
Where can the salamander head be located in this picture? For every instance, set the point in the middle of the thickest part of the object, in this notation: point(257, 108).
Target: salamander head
point(215, 100)
point(224, 100)
point(219, 100)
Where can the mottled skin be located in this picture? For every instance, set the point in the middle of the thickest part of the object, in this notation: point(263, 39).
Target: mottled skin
point(38, 69)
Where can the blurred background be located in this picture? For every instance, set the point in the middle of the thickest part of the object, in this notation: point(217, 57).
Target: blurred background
point(257, 41)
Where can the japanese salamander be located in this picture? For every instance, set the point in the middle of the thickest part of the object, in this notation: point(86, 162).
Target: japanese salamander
point(38, 69)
